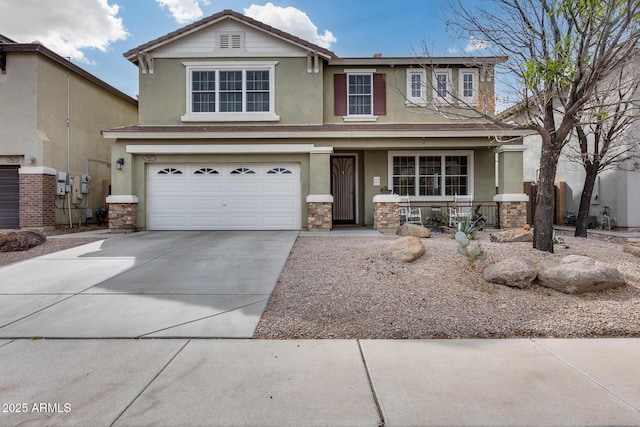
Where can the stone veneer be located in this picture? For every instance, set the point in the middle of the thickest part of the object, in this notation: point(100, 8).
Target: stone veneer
point(122, 217)
point(513, 214)
point(37, 201)
point(319, 216)
point(385, 215)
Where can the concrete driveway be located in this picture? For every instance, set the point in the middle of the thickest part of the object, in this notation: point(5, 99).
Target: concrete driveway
point(148, 284)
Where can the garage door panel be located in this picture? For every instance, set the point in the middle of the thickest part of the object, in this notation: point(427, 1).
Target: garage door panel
point(213, 197)
point(280, 187)
point(286, 205)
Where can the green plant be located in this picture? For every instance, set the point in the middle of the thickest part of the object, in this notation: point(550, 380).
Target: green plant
point(469, 228)
point(463, 243)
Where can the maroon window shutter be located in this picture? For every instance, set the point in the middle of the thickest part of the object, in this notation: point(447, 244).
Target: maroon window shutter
point(379, 95)
point(339, 94)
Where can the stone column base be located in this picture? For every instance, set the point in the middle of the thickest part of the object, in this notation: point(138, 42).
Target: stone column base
point(123, 212)
point(37, 198)
point(319, 212)
point(385, 212)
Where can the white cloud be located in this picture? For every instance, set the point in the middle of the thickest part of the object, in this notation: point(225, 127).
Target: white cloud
point(68, 29)
point(291, 20)
point(184, 11)
point(476, 44)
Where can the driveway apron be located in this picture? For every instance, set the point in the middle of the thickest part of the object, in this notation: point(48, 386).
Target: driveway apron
point(204, 284)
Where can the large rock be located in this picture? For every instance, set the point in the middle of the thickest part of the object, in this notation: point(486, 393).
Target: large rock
point(514, 271)
point(407, 229)
point(22, 240)
point(576, 274)
point(406, 249)
point(632, 246)
point(513, 235)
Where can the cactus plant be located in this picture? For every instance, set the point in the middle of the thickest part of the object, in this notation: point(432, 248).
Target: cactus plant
point(463, 247)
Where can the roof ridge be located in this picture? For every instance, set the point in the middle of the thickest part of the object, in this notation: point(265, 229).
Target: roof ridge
point(217, 16)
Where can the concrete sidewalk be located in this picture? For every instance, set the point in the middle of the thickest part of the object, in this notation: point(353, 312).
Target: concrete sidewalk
point(328, 382)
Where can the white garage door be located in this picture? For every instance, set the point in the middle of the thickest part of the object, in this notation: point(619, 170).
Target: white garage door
point(223, 197)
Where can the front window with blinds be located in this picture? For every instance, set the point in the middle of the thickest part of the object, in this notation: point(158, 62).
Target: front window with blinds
point(437, 175)
point(230, 91)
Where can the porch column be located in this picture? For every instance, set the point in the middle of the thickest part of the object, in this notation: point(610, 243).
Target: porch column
point(122, 213)
point(385, 211)
point(320, 201)
point(511, 197)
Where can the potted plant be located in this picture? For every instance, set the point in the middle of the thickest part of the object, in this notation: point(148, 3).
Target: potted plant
point(385, 190)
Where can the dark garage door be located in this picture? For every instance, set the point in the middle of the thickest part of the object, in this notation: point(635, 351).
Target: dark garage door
point(9, 197)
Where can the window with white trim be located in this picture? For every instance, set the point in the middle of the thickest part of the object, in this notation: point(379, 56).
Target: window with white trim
point(468, 85)
point(431, 174)
point(442, 86)
point(416, 83)
point(360, 94)
point(230, 91)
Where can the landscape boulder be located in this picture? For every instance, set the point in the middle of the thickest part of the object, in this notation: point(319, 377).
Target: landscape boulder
point(515, 271)
point(632, 246)
point(21, 240)
point(406, 249)
point(513, 235)
point(407, 229)
point(576, 274)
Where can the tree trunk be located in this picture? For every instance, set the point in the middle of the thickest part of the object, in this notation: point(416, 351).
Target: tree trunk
point(585, 201)
point(545, 200)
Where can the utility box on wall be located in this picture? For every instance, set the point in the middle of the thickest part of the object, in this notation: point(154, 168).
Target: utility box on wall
point(61, 183)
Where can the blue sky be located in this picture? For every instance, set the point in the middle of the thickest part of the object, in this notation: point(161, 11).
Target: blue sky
point(95, 33)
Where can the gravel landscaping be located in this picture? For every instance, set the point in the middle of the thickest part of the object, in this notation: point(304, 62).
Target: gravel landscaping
point(345, 287)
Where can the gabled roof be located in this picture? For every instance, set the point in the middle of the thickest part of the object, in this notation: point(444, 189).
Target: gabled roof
point(217, 17)
point(11, 46)
point(5, 39)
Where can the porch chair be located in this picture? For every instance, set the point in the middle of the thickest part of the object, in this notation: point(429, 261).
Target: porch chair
point(407, 213)
point(462, 209)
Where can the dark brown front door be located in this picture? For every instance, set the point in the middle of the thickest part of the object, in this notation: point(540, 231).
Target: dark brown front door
point(343, 189)
point(9, 198)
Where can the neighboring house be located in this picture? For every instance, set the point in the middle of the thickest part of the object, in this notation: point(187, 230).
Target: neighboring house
point(617, 189)
point(40, 93)
point(243, 126)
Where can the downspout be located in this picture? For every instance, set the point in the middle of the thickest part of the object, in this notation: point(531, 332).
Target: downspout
point(68, 143)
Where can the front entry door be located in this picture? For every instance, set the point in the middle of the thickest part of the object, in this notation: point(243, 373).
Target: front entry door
point(343, 189)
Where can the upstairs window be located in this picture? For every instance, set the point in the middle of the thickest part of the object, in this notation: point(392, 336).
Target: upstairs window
point(416, 83)
point(230, 91)
point(442, 86)
point(360, 100)
point(468, 86)
point(360, 95)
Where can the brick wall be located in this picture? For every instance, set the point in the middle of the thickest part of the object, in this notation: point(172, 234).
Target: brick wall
point(319, 215)
point(122, 217)
point(37, 201)
point(385, 215)
point(513, 214)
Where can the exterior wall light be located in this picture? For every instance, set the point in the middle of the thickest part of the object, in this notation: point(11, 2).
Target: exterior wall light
point(119, 163)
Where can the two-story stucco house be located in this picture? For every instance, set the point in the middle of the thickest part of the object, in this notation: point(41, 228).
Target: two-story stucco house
point(243, 126)
point(51, 115)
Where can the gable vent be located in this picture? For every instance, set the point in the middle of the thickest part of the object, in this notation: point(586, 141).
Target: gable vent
point(230, 41)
